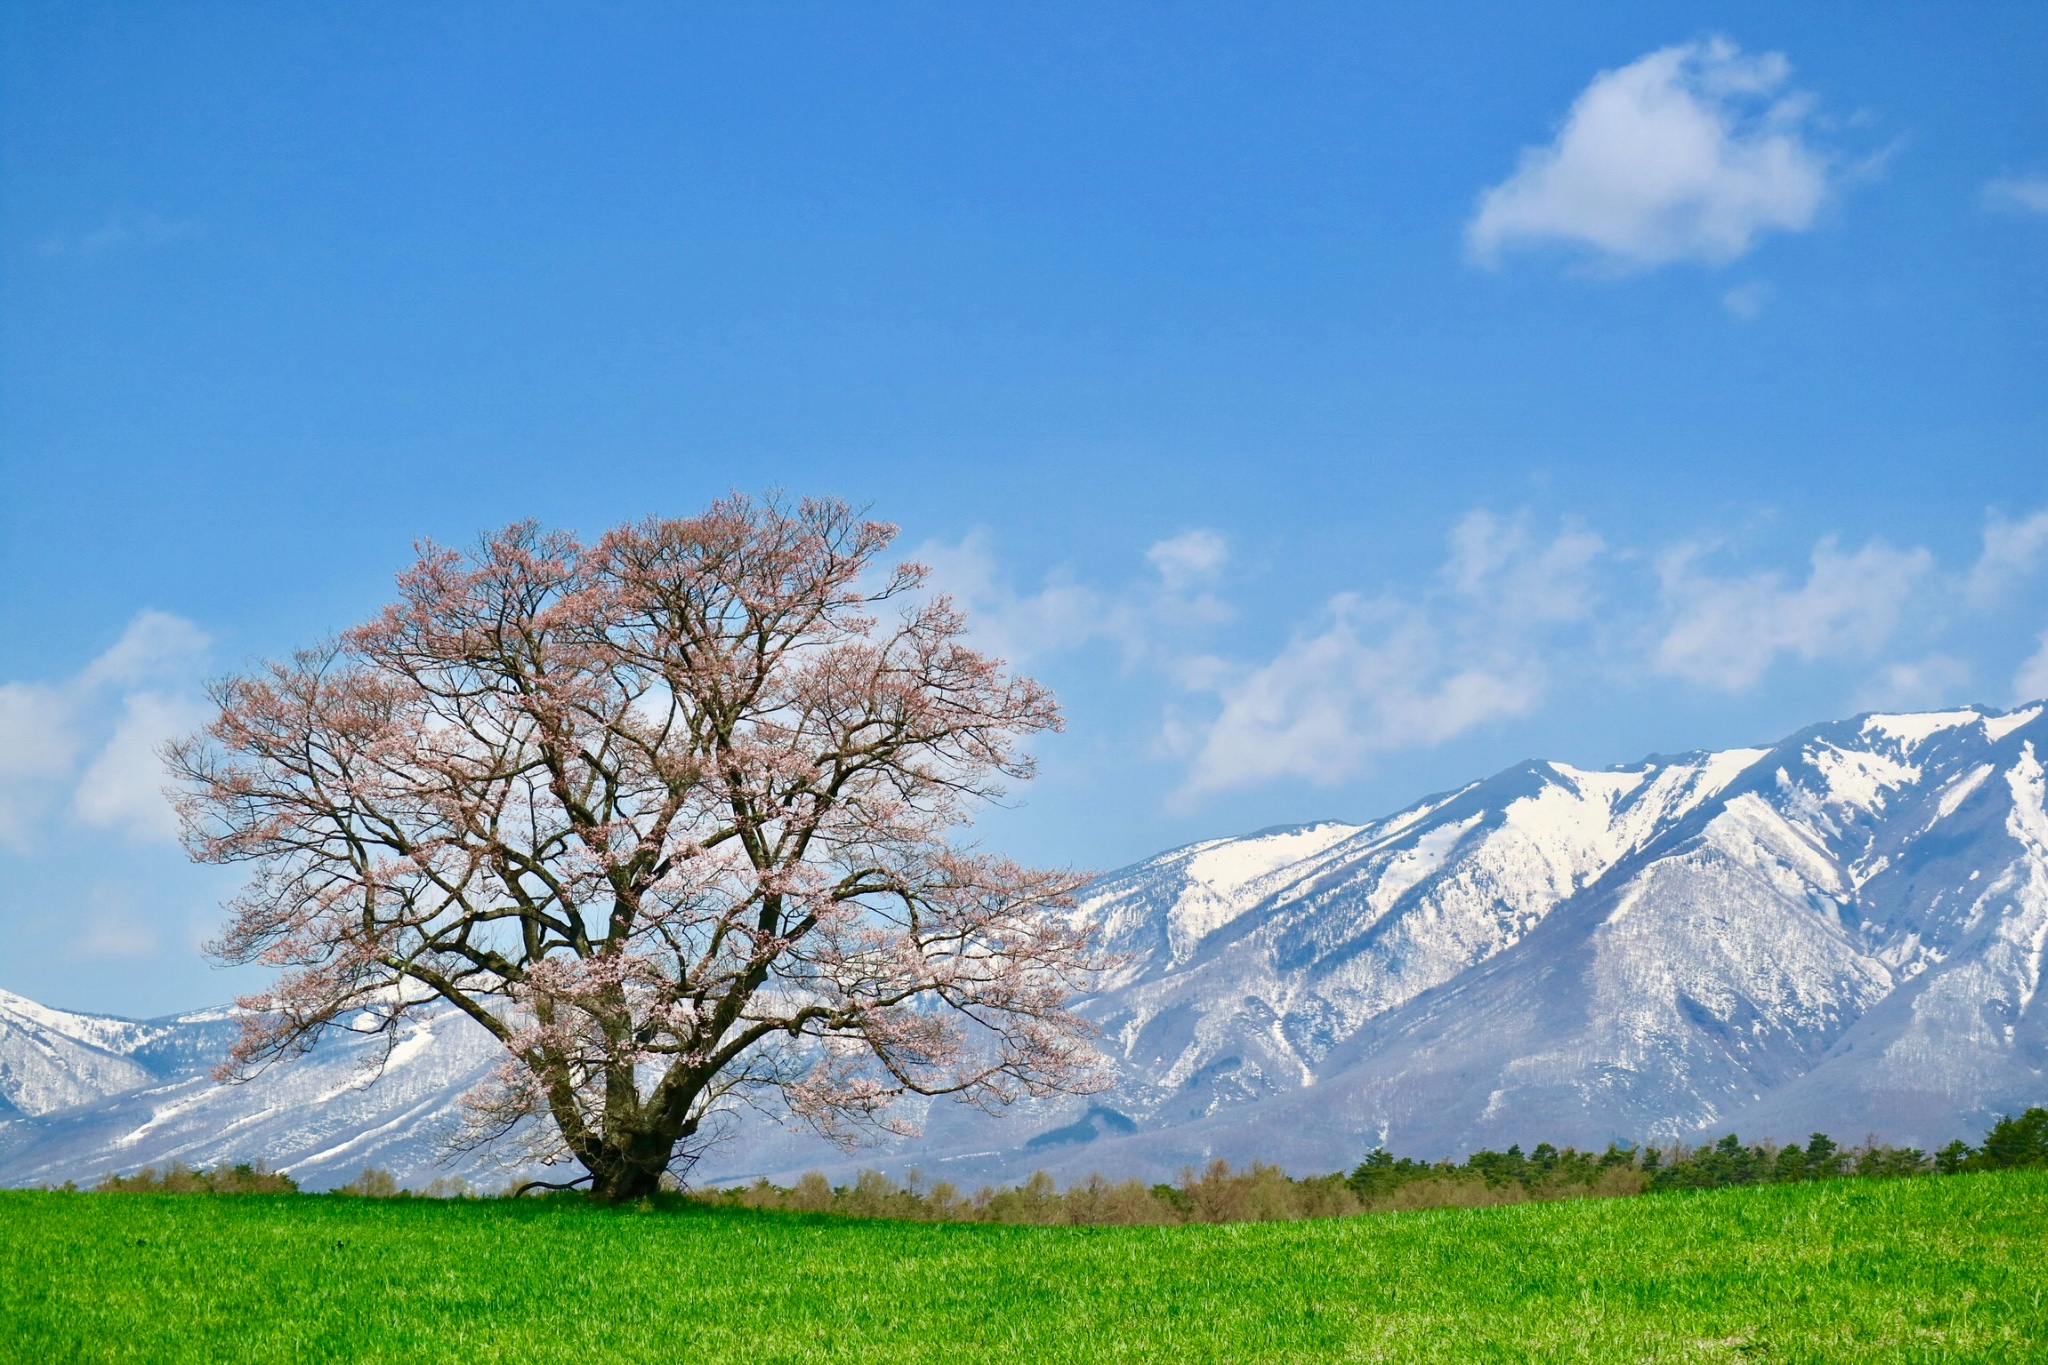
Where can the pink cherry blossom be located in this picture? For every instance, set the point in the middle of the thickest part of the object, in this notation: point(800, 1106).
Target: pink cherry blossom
point(678, 817)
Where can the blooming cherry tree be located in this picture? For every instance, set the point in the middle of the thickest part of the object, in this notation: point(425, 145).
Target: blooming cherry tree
point(676, 817)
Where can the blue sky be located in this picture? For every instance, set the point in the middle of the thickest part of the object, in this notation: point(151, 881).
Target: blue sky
point(1333, 403)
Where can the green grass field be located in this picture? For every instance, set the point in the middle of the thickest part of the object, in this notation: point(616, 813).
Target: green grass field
point(1908, 1270)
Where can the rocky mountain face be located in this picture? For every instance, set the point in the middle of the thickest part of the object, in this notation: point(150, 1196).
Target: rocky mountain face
point(1844, 931)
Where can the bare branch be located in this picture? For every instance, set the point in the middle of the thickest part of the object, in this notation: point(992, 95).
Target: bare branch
point(675, 816)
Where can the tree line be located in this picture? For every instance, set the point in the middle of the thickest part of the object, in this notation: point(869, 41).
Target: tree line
point(1384, 1183)
point(1381, 1183)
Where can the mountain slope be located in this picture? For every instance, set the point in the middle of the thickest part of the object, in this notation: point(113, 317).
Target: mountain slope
point(1845, 931)
point(1294, 962)
point(51, 1060)
point(349, 1103)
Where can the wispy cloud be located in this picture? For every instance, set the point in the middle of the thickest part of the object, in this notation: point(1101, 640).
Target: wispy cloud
point(1746, 301)
point(1142, 617)
point(1690, 153)
point(1932, 681)
point(113, 714)
point(1019, 626)
point(37, 750)
point(1726, 631)
point(1191, 561)
point(2013, 549)
point(123, 786)
point(2031, 682)
point(1514, 617)
point(120, 232)
point(1371, 677)
point(1380, 674)
point(117, 936)
point(2024, 193)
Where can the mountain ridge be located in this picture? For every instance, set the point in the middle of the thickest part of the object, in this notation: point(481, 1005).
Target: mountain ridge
point(1842, 930)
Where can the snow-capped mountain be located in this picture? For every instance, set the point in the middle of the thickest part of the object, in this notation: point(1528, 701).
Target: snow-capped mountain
point(1843, 931)
point(51, 1060)
point(82, 1095)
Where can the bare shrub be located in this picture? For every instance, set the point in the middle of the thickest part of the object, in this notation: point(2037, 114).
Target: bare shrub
point(1616, 1182)
point(178, 1178)
point(1128, 1204)
point(372, 1183)
point(1036, 1201)
point(813, 1194)
point(761, 1195)
point(945, 1203)
point(1447, 1192)
point(1261, 1194)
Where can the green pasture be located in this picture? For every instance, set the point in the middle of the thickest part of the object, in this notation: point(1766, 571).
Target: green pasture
point(1949, 1269)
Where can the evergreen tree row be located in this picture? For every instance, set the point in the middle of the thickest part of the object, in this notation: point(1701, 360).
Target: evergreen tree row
point(2012, 1143)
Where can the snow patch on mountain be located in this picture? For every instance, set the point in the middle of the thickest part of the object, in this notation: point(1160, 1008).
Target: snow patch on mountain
point(1998, 727)
point(1226, 877)
point(1845, 930)
point(1959, 789)
point(1914, 728)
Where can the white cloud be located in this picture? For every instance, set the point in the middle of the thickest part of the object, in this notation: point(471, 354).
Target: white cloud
point(121, 706)
point(1727, 632)
point(1501, 563)
point(1015, 626)
point(1192, 559)
point(2031, 682)
point(2012, 550)
point(111, 936)
point(1688, 154)
point(1374, 676)
point(1147, 617)
point(123, 786)
point(2026, 193)
point(37, 748)
point(1512, 615)
point(156, 645)
point(1921, 684)
point(1746, 301)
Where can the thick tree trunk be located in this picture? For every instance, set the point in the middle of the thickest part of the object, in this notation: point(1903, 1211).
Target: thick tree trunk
point(623, 1182)
point(622, 1172)
point(627, 1146)
point(628, 1166)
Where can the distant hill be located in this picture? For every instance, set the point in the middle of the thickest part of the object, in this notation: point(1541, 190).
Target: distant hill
point(1843, 931)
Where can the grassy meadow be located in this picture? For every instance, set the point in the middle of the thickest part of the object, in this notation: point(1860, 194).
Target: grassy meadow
point(1949, 1269)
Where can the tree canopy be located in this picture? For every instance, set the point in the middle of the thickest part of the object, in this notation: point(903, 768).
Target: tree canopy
point(676, 816)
